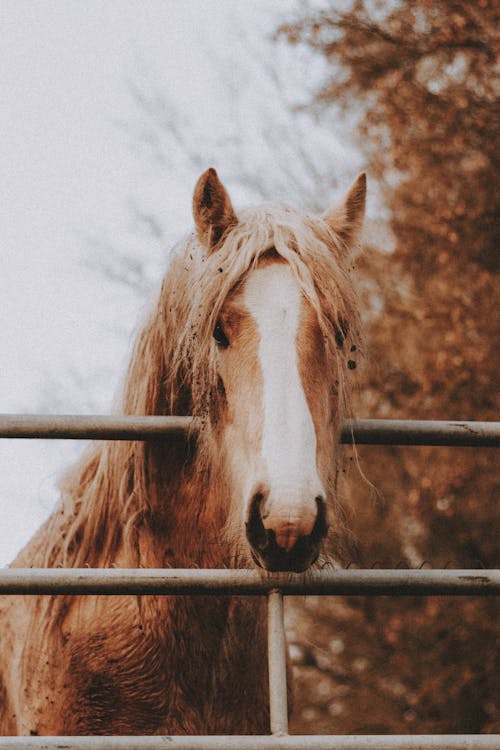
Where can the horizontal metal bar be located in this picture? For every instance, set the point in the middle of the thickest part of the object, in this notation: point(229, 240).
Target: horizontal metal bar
point(422, 432)
point(93, 427)
point(260, 742)
point(362, 431)
point(116, 581)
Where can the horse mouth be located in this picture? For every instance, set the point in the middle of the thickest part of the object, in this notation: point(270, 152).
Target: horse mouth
point(267, 554)
point(284, 563)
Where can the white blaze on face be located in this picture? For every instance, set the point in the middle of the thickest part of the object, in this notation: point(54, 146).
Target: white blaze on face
point(273, 297)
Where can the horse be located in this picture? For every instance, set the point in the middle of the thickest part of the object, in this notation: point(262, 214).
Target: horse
point(253, 333)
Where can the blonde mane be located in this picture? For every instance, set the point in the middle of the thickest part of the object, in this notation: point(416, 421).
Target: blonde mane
point(117, 486)
point(253, 333)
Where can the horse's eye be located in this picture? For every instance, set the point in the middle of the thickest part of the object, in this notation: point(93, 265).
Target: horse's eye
point(220, 337)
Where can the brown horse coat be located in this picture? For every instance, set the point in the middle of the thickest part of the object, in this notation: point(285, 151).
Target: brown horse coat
point(176, 665)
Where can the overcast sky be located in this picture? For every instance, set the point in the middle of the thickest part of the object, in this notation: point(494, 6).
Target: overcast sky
point(81, 162)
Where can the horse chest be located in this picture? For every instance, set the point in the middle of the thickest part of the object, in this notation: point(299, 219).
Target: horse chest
point(113, 682)
point(196, 672)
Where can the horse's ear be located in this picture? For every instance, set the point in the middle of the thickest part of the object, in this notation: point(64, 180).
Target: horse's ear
point(212, 210)
point(346, 220)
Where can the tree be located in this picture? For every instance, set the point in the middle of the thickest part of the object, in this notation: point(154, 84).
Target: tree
point(417, 79)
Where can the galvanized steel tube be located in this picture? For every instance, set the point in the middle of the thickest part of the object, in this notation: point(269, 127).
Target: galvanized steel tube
point(93, 427)
point(276, 742)
point(276, 650)
point(361, 431)
point(421, 432)
point(80, 581)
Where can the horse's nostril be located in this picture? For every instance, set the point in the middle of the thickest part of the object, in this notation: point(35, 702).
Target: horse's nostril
point(256, 533)
point(320, 528)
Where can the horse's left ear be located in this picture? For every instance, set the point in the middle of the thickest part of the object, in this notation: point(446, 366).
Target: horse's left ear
point(212, 210)
point(346, 220)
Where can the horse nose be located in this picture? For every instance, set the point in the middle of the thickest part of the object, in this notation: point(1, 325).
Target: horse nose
point(282, 541)
point(286, 534)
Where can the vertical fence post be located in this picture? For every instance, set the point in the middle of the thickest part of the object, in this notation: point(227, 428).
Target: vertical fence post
point(276, 650)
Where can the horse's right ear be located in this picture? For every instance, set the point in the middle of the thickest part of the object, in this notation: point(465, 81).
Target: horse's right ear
point(212, 210)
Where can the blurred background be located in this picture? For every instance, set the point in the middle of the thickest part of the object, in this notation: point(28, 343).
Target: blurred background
point(110, 111)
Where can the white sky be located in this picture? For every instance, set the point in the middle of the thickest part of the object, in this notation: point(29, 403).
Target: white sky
point(76, 153)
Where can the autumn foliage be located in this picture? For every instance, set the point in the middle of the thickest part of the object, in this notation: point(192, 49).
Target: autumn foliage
point(417, 80)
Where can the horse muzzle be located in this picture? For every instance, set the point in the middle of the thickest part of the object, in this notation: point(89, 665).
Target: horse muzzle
point(280, 544)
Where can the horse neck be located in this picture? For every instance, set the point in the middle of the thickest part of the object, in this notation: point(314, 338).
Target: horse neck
point(152, 507)
point(182, 524)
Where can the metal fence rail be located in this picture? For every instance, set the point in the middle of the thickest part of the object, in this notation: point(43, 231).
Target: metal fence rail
point(85, 581)
point(114, 581)
point(260, 742)
point(360, 431)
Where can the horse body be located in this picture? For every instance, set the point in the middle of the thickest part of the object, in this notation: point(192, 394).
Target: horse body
point(251, 333)
point(113, 672)
point(130, 665)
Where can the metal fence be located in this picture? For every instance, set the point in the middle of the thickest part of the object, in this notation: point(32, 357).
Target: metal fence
point(254, 582)
point(360, 431)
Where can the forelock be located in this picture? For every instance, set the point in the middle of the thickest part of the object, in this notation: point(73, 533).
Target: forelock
point(306, 243)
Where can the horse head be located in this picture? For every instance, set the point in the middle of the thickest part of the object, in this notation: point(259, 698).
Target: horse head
point(282, 335)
